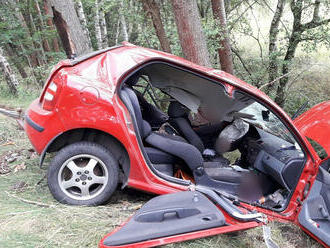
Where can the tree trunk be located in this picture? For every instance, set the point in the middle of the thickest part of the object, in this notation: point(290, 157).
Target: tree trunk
point(123, 22)
point(50, 25)
point(33, 56)
point(12, 52)
point(295, 38)
point(117, 31)
point(104, 31)
point(225, 54)
point(8, 73)
point(37, 43)
point(272, 49)
point(45, 43)
point(190, 31)
point(83, 20)
point(293, 44)
point(98, 34)
point(73, 38)
point(151, 9)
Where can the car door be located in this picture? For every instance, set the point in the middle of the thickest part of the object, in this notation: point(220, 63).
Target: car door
point(314, 217)
point(182, 216)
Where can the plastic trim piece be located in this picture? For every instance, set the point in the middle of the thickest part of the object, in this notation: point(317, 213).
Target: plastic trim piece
point(33, 124)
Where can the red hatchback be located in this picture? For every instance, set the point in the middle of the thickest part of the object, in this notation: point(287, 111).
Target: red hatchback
point(156, 122)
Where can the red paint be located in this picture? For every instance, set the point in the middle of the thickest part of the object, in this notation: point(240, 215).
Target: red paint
point(88, 99)
point(182, 237)
point(315, 124)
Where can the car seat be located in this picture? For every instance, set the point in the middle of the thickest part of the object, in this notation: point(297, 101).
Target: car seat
point(153, 115)
point(163, 150)
point(178, 118)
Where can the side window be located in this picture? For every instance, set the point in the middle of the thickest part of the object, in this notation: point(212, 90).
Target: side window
point(151, 94)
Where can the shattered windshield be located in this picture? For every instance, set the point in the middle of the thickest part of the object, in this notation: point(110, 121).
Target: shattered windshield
point(264, 119)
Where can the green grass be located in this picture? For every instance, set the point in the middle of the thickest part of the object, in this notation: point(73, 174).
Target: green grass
point(24, 224)
point(22, 100)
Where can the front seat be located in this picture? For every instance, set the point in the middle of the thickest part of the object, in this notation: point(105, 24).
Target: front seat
point(173, 147)
point(178, 114)
point(178, 118)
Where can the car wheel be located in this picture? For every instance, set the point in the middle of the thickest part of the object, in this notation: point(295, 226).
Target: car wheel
point(83, 173)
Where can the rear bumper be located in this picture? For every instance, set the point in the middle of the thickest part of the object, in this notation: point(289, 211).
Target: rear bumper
point(41, 126)
point(33, 124)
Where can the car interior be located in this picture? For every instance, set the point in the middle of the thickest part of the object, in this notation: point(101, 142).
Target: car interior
point(191, 129)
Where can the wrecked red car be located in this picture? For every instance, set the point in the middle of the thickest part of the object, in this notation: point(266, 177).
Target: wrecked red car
point(222, 155)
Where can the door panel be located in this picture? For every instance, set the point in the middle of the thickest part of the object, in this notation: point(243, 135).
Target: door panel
point(168, 215)
point(314, 215)
point(178, 217)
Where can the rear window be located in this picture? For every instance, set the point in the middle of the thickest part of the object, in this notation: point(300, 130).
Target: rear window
point(318, 148)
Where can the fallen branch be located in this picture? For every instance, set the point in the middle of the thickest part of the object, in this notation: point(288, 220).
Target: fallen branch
point(16, 114)
point(39, 204)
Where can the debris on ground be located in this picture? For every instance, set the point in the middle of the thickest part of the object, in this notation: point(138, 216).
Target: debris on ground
point(20, 186)
point(19, 167)
point(4, 168)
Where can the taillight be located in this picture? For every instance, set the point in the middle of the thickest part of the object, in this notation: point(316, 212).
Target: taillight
point(49, 97)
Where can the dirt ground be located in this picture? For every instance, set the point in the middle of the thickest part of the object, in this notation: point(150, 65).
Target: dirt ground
point(30, 217)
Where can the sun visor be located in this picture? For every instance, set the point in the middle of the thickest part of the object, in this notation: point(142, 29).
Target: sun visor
point(184, 97)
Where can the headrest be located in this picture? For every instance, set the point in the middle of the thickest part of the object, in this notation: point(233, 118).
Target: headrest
point(176, 110)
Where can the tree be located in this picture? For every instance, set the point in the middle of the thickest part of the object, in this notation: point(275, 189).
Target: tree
point(300, 32)
point(190, 31)
point(82, 19)
point(225, 54)
point(45, 43)
point(8, 73)
point(73, 38)
point(103, 25)
point(33, 56)
point(273, 52)
point(123, 22)
point(98, 34)
point(50, 25)
point(151, 9)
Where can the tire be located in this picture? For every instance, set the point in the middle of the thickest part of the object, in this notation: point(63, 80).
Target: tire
point(83, 173)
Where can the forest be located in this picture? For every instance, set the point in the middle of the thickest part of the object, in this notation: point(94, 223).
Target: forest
point(278, 46)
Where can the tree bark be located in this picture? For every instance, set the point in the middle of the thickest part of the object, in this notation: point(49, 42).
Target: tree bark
point(272, 49)
point(45, 43)
point(151, 9)
point(8, 73)
point(225, 53)
point(37, 43)
point(190, 31)
point(123, 22)
point(50, 25)
point(73, 38)
point(83, 20)
point(103, 25)
point(97, 27)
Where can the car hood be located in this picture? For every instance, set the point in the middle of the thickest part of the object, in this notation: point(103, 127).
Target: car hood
point(315, 124)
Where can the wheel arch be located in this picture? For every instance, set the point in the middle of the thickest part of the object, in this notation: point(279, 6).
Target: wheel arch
point(93, 135)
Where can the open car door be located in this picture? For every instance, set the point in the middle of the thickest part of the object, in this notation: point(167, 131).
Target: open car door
point(314, 217)
point(182, 216)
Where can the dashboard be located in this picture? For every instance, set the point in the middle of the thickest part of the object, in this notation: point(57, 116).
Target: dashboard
point(273, 156)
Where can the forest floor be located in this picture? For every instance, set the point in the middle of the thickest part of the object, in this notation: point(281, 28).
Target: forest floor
point(30, 217)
